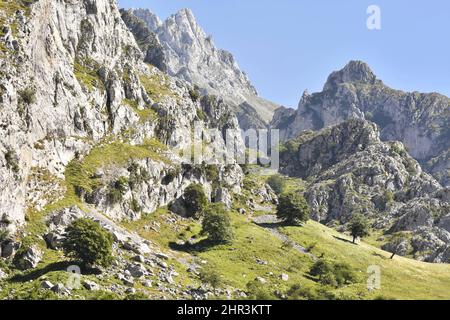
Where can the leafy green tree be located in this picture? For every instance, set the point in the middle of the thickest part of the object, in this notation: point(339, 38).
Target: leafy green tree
point(88, 242)
point(358, 227)
point(195, 199)
point(216, 224)
point(293, 209)
point(277, 183)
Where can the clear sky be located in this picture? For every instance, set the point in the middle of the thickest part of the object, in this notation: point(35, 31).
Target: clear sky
point(287, 46)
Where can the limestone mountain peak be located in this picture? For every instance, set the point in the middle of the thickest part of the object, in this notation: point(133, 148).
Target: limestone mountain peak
point(190, 54)
point(354, 71)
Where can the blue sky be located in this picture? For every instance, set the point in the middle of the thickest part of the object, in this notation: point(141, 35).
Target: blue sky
point(286, 46)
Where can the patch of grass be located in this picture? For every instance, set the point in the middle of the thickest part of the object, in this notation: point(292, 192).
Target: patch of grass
point(80, 174)
point(401, 278)
point(155, 227)
point(157, 86)
point(86, 72)
point(237, 262)
point(8, 8)
point(145, 115)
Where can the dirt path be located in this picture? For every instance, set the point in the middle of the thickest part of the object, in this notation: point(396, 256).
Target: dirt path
point(270, 223)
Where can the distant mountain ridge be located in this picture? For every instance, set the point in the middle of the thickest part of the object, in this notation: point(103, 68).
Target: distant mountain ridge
point(420, 120)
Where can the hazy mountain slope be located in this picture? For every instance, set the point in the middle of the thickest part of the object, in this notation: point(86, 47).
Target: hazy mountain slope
point(420, 121)
point(192, 56)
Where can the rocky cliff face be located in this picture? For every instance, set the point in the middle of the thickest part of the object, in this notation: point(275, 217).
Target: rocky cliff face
point(351, 171)
point(192, 56)
point(419, 120)
point(86, 122)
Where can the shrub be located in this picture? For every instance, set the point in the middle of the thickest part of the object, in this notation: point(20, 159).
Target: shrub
point(194, 94)
point(12, 160)
point(88, 242)
point(332, 274)
point(358, 227)
point(137, 296)
point(115, 196)
point(4, 235)
point(287, 245)
point(293, 209)
point(212, 172)
point(258, 291)
point(298, 292)
point(135, 206)
point(195, 199)
point(120, 188)
point(277, 183)
point(27, 96)
point(216, 224)
point(344, 274)
point(18, 258)
point(211, 277)
point(388, 196)
point(122, 184)
point(138, 175)
point(172, 173)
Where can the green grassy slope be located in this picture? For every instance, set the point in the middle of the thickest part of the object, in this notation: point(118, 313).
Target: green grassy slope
point(401, 278)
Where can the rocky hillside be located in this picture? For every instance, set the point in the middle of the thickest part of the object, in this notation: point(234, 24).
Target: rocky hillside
point(98, 111)
point(191, 55)
point(85, 122)
point(420, 121)
point(351, 171)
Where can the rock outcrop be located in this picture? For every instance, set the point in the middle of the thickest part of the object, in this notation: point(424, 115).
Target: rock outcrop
point(418, 120)
point(350, 171)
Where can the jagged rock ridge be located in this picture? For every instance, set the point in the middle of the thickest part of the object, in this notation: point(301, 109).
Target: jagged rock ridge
point(191, 55)
point(351, 171)
point(420, 121)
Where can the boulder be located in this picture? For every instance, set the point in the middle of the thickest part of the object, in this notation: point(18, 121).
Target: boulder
point(261, 280)
point(47, 285)
point(162, 256)
point(60, 289)
point(64, 217)
point(9, 249)
point(223, 196)
point(147, 283)
point(29, 258)
point(54, 240)
point(91, 285)
point(139, 248)
point(136, 270)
